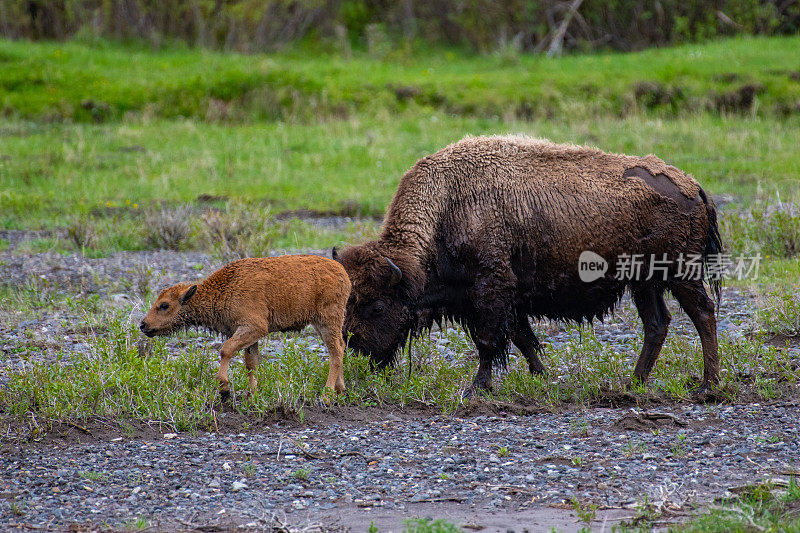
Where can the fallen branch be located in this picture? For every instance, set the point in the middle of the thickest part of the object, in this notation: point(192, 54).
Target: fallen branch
point(558, 39)
point(456, 499)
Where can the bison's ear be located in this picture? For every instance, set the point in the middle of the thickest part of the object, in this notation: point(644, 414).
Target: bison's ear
point(186, 296)
point(334, 254)
point(397, 274)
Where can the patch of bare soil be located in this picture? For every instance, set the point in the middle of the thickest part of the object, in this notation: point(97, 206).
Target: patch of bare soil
point(781, 340)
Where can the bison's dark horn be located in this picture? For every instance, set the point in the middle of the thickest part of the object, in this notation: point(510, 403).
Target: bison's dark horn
point(397, 274)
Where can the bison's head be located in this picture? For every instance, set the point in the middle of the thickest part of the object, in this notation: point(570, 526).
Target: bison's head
point(381, 308)
point(165, 316)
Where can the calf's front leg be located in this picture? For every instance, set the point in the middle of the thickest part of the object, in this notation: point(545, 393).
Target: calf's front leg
point(243, 337)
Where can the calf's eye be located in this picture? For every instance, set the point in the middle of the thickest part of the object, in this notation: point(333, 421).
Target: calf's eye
point(163, 306)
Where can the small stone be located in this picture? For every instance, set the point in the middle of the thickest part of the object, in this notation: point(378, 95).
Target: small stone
point(238, 485)
point(169, 436)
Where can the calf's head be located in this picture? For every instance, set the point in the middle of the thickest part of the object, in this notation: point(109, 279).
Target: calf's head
point(380, 311)
point(165, 316)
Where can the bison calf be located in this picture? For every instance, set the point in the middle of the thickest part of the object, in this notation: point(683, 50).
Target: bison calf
point(247, 299)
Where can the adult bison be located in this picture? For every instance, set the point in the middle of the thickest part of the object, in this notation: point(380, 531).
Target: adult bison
point(489, 231)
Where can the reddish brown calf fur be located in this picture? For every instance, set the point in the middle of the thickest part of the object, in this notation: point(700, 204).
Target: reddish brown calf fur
point(250, 298)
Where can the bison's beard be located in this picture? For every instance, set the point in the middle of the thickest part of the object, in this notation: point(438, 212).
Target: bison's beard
point(381, 346)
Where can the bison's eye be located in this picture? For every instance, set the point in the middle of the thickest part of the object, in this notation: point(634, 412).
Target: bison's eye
point(164, 306)
point(378, 309)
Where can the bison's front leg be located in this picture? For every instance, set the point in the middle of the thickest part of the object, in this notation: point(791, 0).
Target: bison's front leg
point(242, 338)
point(488, 325)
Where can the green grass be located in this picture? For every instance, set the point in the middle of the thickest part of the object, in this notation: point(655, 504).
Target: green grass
point(762, 508)
point(122, 148)
point(105, 81)
point(121, 379)
point(293, 130)
point(53, 173)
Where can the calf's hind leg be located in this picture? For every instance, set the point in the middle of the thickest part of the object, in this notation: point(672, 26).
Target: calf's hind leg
point(655, 317)
point(694, 300)
point(330, 329)
point(243, 337)
point(251, 360)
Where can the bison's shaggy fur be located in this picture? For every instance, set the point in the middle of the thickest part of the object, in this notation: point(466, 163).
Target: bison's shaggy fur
point(247, 299)
point(488, 232)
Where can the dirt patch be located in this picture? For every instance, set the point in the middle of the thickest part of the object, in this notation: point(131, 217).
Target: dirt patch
point(781, 340)
point(228, 420)
point(211, 198)
point(738, 100)
point(354, 518)
point(414, 93)
point(487, 407)
point(727, 77)
point(647, 421)
point(349, 209)
point(651, 94)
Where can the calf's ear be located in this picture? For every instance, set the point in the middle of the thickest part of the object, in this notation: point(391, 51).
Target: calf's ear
point(334, 254)
point(186, 296)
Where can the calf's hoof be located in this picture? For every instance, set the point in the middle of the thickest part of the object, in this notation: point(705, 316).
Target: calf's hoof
point(329, 395)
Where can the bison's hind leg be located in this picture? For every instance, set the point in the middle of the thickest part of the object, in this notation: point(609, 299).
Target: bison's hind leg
point(524, 338)
point(694, 299)
point(649, 300)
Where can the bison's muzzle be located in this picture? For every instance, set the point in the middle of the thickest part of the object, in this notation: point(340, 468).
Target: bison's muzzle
point(146, 329)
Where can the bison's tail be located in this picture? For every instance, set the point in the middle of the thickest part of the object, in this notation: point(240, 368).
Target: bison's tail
point(713, 244)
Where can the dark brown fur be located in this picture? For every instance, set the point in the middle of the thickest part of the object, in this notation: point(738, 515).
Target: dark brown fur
point(249, 298)
point(488, 232)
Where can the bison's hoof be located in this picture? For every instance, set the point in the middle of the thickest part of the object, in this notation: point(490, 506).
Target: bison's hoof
point(475, 390)
point(635, 384)
point(704, 391)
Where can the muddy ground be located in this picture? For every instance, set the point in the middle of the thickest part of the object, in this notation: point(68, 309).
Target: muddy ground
point(488, 467)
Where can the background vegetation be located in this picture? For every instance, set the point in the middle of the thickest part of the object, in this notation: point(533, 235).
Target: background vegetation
point(482, 25)
point(134, 134)
point(120, 147)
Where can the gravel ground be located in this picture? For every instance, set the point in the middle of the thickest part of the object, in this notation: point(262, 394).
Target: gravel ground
point(344, 469)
